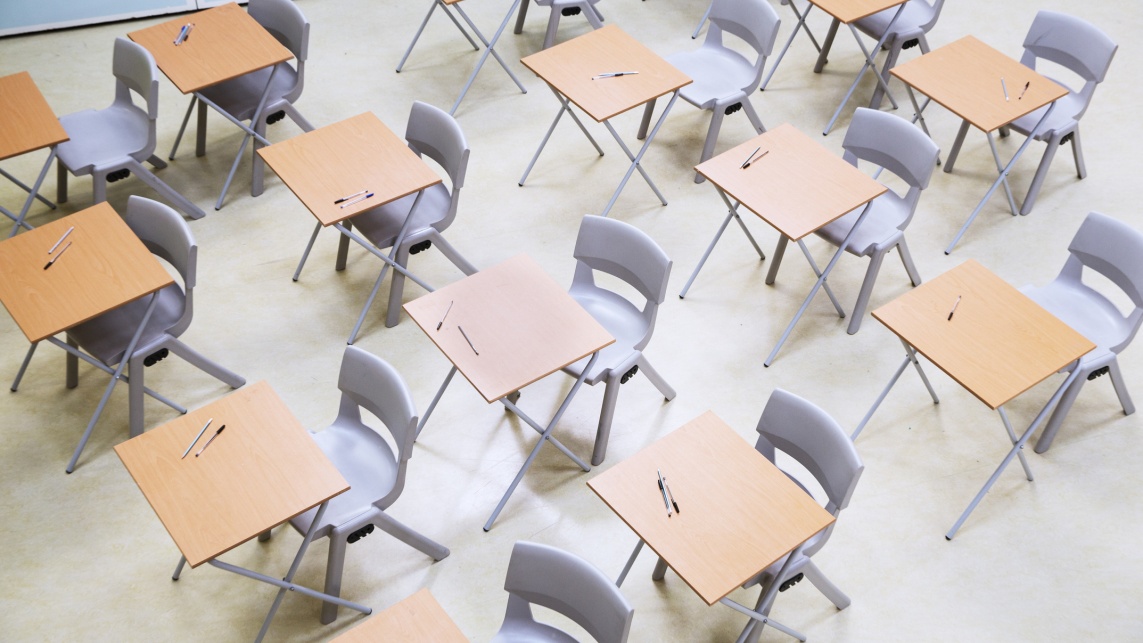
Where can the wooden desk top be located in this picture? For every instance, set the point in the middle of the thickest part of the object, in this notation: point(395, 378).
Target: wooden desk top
point(569, 67)
point(523, 324)
point(261, 471)
point(225, 43)
point(417, 619)
point(848, 11)
point(798, 187)
point(739, 513)
point(964, 76)
point(28, 121)
point(105, 267)
point(999, 343)
point(334, 161)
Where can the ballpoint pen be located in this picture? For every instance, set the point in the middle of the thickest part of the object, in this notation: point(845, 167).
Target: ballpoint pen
point(663, 491)
point(753, 160)
point(57, 243)
point(49, 264)
point(210, 440)
point(349, 196)
point(356, 201)
point(614, 74)
point(446, 315)
point(1005, 88)
point(467, 340)
point(196, 438)
point(750, 158)
point(183, 33)
point(955, 304)
point(673, 503)
point(1026, 86)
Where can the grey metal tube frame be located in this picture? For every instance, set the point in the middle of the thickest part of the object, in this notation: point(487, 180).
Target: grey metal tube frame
point(868, 64)
point(33, 194)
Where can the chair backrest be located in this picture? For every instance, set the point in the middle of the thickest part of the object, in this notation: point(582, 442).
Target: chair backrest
point(895, 144)
point(166, 234)
point(810, 436)
point(1115, 250)
point(135, 71)
point(754, 21)
point(626, 252)
point(1072, 43)
point(552, 578)
point(369, 382)
point(927, 15)
point(433, 132)
point(286, 22)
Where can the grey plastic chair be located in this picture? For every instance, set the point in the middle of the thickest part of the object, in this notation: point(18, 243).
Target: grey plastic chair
point(918, 18)
point(374, 469)
point(1115, 250)
point(239, 97)
point(560, 8)
point(111, 143)
point(811, 437)
point(106, 337)
point(626, 252)
point(894, 144)
point(552, 578)
point(1083, 49)
point(434, 133)
point(723, 78)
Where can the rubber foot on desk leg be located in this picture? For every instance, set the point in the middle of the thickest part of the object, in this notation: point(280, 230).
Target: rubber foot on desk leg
point(947, 538)
point(680, 297)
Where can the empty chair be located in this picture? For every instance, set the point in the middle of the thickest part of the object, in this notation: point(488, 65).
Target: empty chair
point(1086, 51)
point(561, 8)
point(111, 143)
point(724, 78)
point(107, 336)
point(552, 578)
point(374, 469)
point(434, 133)
point(1115, 250)
point(917, 19)
point(240, 96)
point(894, 144)
point(811, 437)
point(626, 252)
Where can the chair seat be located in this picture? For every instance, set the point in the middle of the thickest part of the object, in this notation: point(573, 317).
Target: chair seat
point(623, 320)
point(380, 225)
point(1062, 119)
point(717, 74)
point(1086, 311)
point(106, 337)
point(908, 26)
point(880, 228)
point(239, 96)
point(519, 632)
point(366, 461)
point(103, 136)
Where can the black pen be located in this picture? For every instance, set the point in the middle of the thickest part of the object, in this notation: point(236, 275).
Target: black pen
point(673, 503)
point(446, 315)
point(955, 304)
point(750, 158)
point(210, 440)
point(751, 161)
point(614, 74)
point(663, 491)
point(49, 264)
point(1026, 86)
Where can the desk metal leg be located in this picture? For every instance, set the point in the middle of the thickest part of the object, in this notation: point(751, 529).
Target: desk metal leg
point(249, 131)
point(910, 358)
point(732, 213)
point(33, 192)
point(1016, 450)
point(1012, 438)
point(801, 23)
point(630, 562)
point(432, 8)
point(868, 64)
point(545, 436)
point(817, 284)
point(758, 619)
point(436, 398)
point(1002, 178)
point(489, 48)
point(1000, 171)
point(564, 107)
point(635, 159)
point(114, 380)
point(825, 284)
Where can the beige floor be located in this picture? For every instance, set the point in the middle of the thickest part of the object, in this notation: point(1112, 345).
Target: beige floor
point(84, 557)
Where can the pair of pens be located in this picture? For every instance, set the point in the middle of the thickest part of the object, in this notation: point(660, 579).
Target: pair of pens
point(56, 245)
point(356, 201)
point(349, 196)
point(184, 33)
point(614, 74)
point(750, 159)
point(665, 489)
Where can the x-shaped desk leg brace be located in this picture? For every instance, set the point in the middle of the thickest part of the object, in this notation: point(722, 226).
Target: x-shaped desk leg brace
point(285, 583)
point(757, 617)
point(565, 107)
point(489, 48)
point(432, 8)
point(822, 275)
point(731, 213)
point(868, 64)
point(33, 194)
point(545, 432)
point(801, 24)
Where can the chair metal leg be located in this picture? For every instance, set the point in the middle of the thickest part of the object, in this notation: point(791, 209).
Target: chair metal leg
point(334, 572)
point(702, 21)
point(907, 260)
point(519, 28)
point(1120, 387)
point(606, 415)
point(825, 586)
point(202, 363)
point(397, 289)
point(61, 182)
point(179, 201)
point(135, 370)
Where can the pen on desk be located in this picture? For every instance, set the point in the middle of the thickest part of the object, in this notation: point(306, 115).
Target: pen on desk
point(57, 243)
point(210, 440)
point(186, 36)
point(1026, 86)
point(614, 74)
point(663, 491)
point(955, 304)
point(182, 35)
point(350, 196)
point(356, 201)
point(467, 340)
point(446, 315)
point(1005, 88)
point(673, 503)
point(751, 161)
point(55, 258)
point(746, 163)
point(197, 437)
